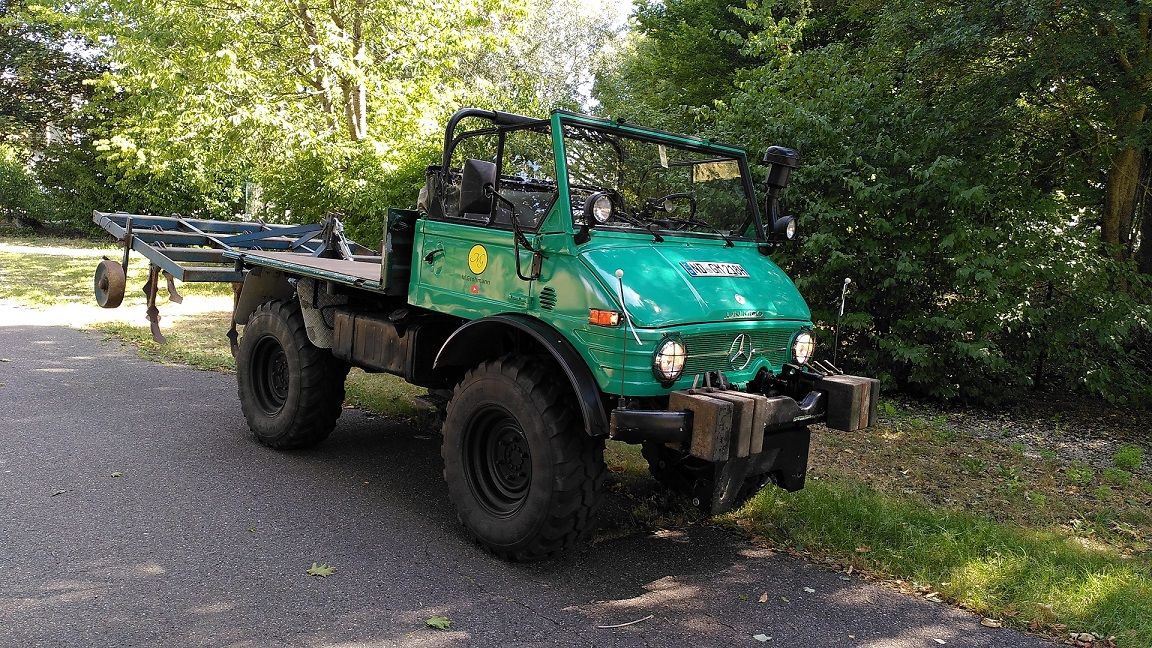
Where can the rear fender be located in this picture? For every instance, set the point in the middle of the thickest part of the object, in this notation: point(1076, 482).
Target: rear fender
point(260, 285)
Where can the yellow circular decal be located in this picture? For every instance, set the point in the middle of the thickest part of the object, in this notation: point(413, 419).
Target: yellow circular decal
point(477, 259)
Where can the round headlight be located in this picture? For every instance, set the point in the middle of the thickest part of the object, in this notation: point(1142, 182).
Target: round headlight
point(803, 347)
point(602, 208)
point(785, 227)
point(668, 363)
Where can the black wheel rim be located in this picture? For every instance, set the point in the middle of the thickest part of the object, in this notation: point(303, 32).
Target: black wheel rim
point(270, 375)
point(497, 461)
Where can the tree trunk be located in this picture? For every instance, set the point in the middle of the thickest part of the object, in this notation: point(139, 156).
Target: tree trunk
point(1120, 193)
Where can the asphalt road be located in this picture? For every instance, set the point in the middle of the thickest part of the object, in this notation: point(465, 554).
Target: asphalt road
point(206, 537)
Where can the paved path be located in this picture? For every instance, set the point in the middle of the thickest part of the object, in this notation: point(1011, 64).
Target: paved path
point(205, 538)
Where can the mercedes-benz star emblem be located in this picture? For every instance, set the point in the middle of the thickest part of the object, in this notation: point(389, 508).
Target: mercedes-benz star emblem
point(740, 353)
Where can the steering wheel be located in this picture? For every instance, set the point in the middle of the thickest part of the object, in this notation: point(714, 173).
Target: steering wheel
point(665, 203)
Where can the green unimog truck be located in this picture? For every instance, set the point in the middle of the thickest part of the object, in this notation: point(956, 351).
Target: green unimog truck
point(563, 281)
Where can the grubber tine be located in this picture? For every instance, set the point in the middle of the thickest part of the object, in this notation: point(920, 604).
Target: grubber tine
point(233, 345)
point(173, 294)
point(150, 289)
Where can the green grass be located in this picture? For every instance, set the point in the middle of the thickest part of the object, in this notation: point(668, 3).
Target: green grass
point(1024, 576)
point(1129, 457)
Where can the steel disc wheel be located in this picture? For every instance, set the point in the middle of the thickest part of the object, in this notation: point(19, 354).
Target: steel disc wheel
point(498, 462)
point(272, 375)
point(108, 284)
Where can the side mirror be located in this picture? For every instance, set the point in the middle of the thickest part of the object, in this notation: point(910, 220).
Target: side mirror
point(780, 162)
point(477, 177)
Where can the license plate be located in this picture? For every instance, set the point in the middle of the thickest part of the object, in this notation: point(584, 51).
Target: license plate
point(713, 269)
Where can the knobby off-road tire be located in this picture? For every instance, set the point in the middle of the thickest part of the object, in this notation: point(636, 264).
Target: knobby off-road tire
point(523, 474)
point(692, 477)
point(290, 390)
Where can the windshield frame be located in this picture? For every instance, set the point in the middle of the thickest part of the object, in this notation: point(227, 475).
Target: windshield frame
point(561, 119)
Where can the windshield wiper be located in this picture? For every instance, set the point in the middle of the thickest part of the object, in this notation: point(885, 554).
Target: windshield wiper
point(697, 223)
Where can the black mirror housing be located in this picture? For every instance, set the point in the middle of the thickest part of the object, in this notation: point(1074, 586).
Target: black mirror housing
point(476, 180)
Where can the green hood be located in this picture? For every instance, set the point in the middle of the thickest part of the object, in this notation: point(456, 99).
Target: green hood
point(660, 291)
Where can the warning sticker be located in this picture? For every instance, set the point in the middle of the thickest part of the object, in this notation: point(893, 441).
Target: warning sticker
point(713, 269)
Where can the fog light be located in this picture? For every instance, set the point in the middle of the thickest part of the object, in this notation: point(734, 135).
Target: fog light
point(668, 363)
point(803, 347)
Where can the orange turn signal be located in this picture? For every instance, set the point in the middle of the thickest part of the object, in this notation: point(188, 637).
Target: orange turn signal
point(603, 317)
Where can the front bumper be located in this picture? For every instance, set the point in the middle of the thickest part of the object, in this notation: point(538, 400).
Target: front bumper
point(745, 434)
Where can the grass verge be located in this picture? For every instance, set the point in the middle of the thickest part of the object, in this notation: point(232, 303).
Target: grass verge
point(1038, 579)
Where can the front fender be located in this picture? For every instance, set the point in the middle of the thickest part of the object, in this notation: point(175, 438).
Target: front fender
point(471, 344)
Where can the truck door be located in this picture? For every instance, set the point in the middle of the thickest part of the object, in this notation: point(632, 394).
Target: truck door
point(463, 260)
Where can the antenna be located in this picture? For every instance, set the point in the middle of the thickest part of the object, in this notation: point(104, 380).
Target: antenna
point(624, 339)
point(840, 314)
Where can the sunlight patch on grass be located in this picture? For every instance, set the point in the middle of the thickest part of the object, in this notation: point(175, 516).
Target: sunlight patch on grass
point(625, 458)
point(383, 394)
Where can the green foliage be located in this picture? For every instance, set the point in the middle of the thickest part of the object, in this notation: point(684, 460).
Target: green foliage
point(1129, 457)
point(944, 172)
point(20, 194)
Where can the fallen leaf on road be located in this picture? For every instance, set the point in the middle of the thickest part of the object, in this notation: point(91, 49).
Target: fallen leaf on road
point(117, 474)
point(321, 570)
point(761, 637)
point(785, 599)
point(5, 360)
point(743, 597)
point(438, 622)
point(991, 623)
point(940, 641)
point(764, 597)
point(809, 590)
point(59, 492)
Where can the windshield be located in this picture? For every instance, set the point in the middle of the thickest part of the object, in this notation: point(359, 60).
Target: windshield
point(656, 186)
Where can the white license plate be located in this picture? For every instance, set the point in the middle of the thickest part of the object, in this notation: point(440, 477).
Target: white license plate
point(714, 269)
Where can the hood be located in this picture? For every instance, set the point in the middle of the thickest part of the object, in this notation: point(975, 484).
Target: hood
point(678, 282)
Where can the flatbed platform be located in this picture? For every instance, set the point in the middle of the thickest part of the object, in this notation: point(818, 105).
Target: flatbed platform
point(361, 274)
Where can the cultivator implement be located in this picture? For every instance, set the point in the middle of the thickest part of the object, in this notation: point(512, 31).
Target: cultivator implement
point(192, 250)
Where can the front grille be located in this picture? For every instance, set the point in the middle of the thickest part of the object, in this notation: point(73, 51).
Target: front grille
point(712, 351)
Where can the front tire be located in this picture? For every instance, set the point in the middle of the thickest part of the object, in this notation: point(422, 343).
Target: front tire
point(291, 391)
point(522, 472)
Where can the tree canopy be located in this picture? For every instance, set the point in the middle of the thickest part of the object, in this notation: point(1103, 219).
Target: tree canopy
point(981, 170)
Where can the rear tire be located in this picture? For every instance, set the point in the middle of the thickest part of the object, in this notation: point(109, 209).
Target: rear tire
point(522, 472)
point(291, 391)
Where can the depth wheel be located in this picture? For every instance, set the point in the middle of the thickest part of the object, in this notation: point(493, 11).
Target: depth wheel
point(108, 284)
point(523, 474)
point(291, 392)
